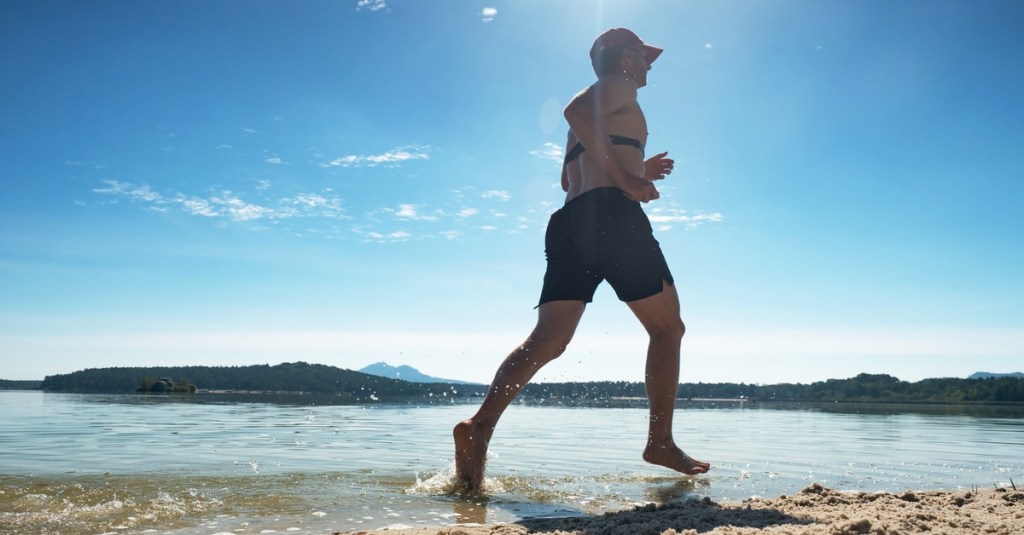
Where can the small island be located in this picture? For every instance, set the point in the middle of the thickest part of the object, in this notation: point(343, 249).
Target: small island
point(166, 385)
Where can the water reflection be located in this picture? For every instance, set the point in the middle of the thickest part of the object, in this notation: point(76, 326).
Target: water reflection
point(470, 510)
point(677, 489)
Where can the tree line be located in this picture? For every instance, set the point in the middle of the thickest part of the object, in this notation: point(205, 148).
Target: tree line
point(862, 388)
point(349, 386)
point(7, 384)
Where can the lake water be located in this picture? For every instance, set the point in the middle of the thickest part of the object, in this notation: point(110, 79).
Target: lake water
point(207, 464)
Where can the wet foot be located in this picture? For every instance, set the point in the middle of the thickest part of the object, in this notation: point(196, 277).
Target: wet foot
point(670, 456)
point(470, 455)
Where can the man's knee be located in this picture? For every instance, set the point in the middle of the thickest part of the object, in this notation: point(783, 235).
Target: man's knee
point(547, 343)
point(670, 328)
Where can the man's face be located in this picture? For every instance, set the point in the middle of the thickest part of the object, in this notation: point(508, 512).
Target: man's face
point(636, 65)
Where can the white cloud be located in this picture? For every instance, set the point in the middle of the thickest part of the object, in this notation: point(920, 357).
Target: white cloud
point(239, 210)
point(550, 151)
point(227, 204)
point(411, 212)
point(310, 205)
point(310, 200)
point(468, 212)
point(125, 189)
point(708, 46)
point(372, 5)
point(488, 14)
point(390, 158)
point(382, 237)
point(198, 207)
point(666, 216)
point(275, 160)
point(496, 194)
point(407, 211)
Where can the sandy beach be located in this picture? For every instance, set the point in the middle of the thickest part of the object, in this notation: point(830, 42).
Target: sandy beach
point(815, 510)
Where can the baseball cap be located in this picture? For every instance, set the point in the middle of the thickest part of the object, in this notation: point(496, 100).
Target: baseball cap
point(619, 37)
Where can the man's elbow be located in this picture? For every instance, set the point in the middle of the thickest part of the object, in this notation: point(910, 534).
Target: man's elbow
point(568, 113)
point(574, 111)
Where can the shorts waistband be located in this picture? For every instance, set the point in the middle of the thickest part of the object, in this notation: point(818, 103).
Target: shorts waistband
point(596, 192)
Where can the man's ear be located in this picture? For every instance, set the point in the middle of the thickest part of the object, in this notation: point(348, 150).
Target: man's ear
point(624, 60)
point(627, 58)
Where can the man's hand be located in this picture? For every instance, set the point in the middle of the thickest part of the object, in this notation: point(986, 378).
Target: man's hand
point(658, 166)
point(639, 189)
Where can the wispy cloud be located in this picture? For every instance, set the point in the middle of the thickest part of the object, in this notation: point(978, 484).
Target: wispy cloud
point(550, 151)
point(496, 194)
point(668, 216)
point(411, 212)
point(239, 210)
point(275, 160)
point(454, 218)
point(370, 235)
point(226, 204)
point(131, 191)
point(372, 5)
point(391, 158)
point(488, 14)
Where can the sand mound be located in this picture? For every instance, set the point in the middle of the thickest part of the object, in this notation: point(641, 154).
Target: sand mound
point(815, 510)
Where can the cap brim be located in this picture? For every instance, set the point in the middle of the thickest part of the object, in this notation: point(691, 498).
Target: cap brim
point(652, 52)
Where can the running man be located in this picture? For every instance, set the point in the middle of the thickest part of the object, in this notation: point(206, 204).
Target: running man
point(601, 233)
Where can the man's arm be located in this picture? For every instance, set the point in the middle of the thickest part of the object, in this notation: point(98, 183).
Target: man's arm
point(586, 116)
point(569, 142)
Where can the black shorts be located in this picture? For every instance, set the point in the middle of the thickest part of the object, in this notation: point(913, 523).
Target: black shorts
point(602, 235)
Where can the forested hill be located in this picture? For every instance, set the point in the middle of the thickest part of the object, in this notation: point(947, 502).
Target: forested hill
point(297, 377)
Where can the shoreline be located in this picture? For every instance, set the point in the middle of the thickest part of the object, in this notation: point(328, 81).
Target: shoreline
point(815, 510)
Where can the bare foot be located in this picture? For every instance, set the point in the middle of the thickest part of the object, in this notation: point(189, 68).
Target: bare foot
point(470, 455)
point(670, 456)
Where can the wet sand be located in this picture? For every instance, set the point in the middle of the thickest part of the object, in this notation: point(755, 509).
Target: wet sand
point(815, 510)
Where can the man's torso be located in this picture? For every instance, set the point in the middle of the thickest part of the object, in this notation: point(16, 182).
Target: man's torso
point(585, 173)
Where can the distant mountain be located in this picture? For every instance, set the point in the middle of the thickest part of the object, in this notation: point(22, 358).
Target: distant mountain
point(987, 375)
point(405, 373)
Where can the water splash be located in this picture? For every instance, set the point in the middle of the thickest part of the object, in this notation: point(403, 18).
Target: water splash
point(444, 482)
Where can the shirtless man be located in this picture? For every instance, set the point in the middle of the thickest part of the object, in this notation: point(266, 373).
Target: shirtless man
point(601, 233)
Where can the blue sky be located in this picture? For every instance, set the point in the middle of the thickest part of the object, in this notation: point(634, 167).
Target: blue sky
point(345, 182)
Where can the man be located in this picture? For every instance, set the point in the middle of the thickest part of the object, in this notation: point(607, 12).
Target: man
point(601, 233)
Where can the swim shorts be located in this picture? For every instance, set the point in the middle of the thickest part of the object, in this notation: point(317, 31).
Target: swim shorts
point(602, 235)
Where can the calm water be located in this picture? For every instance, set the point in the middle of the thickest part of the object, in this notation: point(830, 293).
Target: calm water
point(148, 464)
